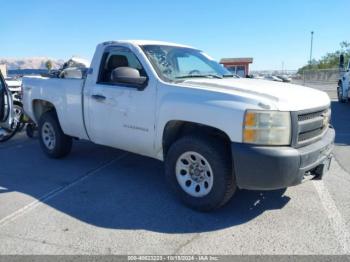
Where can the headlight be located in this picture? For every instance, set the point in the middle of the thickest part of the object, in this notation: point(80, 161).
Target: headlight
point(267, 127)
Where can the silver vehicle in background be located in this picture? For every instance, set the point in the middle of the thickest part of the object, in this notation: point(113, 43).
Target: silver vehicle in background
point(13, 87)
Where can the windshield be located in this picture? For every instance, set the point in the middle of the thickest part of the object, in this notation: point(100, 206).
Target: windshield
point(175, 63)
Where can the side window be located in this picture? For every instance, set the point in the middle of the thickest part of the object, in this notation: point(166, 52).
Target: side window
point(118, 57)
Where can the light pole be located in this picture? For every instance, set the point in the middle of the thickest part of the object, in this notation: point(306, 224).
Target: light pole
point(312, 42)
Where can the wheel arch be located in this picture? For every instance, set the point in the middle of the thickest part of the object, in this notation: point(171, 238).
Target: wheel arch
point(175, 129)
point(40, 107)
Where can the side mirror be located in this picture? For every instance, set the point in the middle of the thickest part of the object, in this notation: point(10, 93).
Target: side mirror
point(341, 61)
point(129, 76)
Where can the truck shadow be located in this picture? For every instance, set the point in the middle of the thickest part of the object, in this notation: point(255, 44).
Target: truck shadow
point(341, 122)
point(128, 194)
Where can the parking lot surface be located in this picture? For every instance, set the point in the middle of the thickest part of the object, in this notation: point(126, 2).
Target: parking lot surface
point(100, 200)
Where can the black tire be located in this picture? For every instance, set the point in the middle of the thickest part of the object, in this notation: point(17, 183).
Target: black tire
point(31, 131)
point(63, 143)
point(218, 157)
point(341, 99)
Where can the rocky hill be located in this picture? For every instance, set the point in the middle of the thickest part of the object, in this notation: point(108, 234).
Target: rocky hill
point(30, 63)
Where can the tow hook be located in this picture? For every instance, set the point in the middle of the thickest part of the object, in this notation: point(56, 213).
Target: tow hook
point(323, 168)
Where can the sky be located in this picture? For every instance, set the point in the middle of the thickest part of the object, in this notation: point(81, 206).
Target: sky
point(275, 33)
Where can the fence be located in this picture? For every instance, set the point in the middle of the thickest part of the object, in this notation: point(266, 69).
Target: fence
point(321, 76)
point(273, 72)
point(324, 79)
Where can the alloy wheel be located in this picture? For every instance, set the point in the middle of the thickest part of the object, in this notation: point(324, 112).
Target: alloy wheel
point(194, 174)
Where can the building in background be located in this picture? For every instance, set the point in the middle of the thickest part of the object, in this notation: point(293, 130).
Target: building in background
point(3, 70)
point(238, 66)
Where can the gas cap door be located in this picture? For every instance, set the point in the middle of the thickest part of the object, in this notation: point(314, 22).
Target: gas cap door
point(6, 105)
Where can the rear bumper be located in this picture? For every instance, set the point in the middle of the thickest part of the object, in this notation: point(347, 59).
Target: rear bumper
point(269, 167)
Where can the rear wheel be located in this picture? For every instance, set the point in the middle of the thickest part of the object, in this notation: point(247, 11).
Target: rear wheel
point(52, 140)
point(200, 172)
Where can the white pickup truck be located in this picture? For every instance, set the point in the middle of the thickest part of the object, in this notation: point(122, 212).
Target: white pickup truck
point(215, 132)
point(343, 88)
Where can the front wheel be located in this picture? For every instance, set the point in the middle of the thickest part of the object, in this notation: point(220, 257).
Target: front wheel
point(52, 140)
point(200, 172)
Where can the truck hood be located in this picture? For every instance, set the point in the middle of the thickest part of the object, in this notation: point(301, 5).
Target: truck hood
point(282, 96)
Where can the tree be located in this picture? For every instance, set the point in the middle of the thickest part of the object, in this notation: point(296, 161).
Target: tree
point(48, 65)
point(330, 60)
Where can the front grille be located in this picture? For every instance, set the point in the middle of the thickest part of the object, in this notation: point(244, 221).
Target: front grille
point(311, 115)
point(312, 125)
point(310, 134)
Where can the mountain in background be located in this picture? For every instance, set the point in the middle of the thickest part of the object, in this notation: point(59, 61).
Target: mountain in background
point(30, 63)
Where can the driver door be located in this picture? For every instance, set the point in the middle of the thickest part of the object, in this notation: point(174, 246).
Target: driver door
point(6, 110)
point(119, 115)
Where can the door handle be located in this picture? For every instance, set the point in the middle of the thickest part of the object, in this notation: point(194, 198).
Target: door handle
point(98, 97)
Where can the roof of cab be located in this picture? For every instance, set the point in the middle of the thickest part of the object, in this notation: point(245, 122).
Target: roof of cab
point(145, 42)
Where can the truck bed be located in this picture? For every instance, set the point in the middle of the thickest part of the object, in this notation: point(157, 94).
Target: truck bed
point(64, 94)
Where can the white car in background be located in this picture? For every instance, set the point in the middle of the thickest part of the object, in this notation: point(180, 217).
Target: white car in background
point(258, 77)
point(343, 88)
point(285, 78)
point(273, 78)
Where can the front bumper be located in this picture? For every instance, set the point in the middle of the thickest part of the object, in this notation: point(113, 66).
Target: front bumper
point(271, 167)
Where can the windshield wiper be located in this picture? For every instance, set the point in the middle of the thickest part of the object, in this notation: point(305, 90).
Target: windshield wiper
point(197, 76)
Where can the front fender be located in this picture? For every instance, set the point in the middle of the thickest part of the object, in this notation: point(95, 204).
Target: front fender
point(224, 114)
